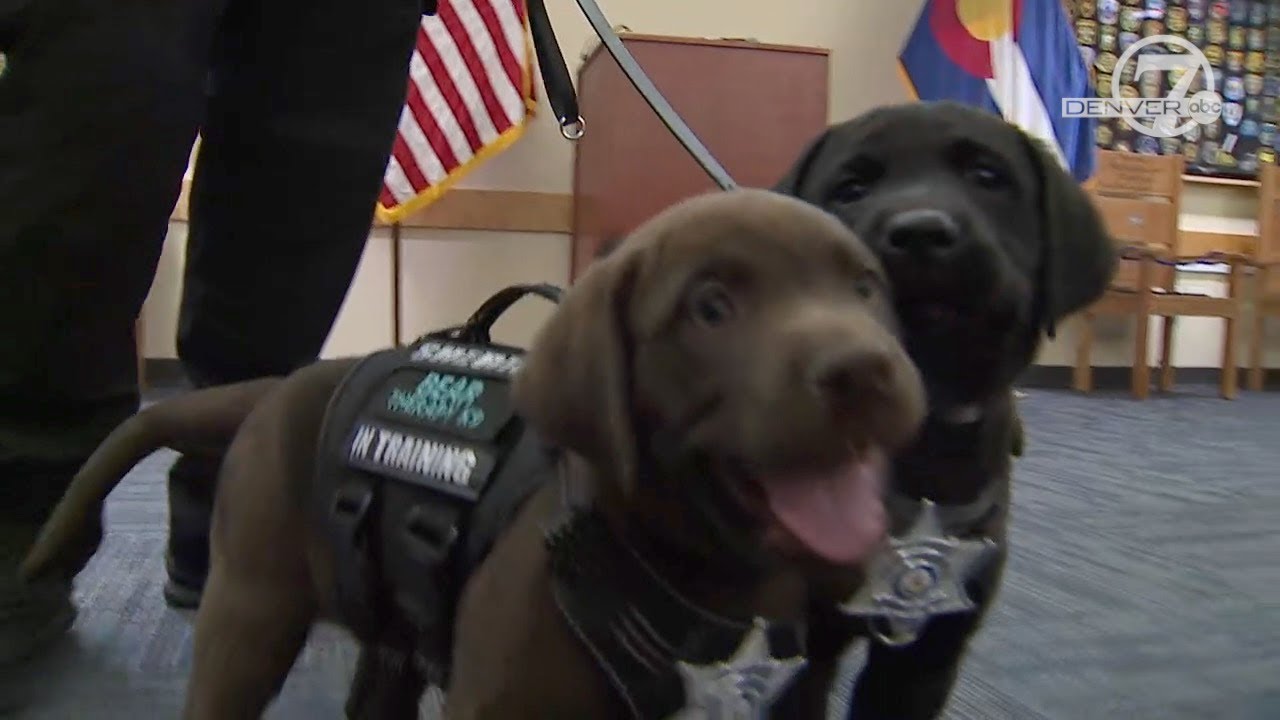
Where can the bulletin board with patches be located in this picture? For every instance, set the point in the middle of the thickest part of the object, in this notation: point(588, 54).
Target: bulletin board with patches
point(1240, 39)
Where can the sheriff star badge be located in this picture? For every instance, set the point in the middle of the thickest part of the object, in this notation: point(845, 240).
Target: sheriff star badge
point(741, 688)
point(916, 577)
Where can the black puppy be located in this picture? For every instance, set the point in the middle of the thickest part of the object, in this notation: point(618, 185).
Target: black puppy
point(988, 243)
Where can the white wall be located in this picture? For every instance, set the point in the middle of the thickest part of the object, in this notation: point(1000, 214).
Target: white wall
point(446, 273)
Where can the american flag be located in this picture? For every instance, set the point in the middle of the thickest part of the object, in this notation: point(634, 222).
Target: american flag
point(471, 92)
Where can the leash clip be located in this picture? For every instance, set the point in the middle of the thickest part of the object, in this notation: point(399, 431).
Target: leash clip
point(573, 129)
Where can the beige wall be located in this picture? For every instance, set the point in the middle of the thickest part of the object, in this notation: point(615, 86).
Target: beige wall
point(446, 273)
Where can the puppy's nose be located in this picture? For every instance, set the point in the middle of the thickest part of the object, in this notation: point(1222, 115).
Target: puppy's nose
point(922, 235)
point(850, 377)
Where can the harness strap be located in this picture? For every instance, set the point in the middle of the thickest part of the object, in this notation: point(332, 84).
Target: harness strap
point(351, 507)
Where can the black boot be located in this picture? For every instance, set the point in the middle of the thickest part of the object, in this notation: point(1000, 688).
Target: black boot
point(191, 489)
point(32, 615)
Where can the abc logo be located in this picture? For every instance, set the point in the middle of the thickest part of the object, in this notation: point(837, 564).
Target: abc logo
point(1205, 106)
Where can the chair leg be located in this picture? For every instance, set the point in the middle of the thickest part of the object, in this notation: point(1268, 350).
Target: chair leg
point(1166, 354)
point(1259, 327)
point(1231, 338)
point(1230, 371)
point(1082, 374)
point(1142, 331)
point(1141, 375)
point(1255, 350)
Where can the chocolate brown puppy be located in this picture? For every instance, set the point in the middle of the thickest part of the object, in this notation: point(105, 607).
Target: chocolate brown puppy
point(988, 243)
point(719, 391)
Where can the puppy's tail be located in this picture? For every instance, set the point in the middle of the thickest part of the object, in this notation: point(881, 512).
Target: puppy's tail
point(196, 423)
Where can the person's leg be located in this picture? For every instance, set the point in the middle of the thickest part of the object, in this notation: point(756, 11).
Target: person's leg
point(98, 107)
point(306, 95)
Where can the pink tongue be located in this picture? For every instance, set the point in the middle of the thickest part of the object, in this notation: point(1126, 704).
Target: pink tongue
point(839, 516)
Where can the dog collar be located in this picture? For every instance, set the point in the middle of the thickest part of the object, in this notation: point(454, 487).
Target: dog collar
point(961, 414)
point(666, 657)
point(958, 519)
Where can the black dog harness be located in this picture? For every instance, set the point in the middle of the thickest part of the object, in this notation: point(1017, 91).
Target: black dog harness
point(422, 463)
point(661, 653)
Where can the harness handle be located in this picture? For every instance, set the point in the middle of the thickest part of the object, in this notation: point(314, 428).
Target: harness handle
point(476, 329)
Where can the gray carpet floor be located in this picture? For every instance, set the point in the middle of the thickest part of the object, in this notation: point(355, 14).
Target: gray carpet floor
point(1144, 581)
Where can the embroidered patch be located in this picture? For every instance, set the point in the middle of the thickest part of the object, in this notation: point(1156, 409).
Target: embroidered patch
point(471, 407)
point(459, 469)
point(474, 358)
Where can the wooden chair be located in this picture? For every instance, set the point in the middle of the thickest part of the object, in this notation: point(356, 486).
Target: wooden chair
point(1266, 258)
point(1140, 199)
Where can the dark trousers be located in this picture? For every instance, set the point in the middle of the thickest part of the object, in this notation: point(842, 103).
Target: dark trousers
point(296, 102)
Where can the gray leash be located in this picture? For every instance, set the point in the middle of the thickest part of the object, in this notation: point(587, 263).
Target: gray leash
point(667, 114)
point(563, 98)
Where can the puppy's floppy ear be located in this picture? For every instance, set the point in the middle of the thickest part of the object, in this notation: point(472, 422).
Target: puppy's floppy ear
point(607, 246)
point(575, 385)
point(796, 181)
point(1078, 259)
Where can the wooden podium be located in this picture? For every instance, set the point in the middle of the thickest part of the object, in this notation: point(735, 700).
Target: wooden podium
point(756, 107)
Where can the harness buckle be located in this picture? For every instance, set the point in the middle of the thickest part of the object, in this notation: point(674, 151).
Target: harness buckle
point(350, 507)
point(429, 536)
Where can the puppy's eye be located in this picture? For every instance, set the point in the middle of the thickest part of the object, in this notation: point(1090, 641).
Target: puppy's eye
point(865, 286)
point(710, 304)
point(851, 190)
point(861, 174)
point(986, 175)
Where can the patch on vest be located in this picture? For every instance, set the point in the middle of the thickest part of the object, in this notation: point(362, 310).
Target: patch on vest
point(458, 469)
point(436, 418)
point(468, 358)
point(475, 408)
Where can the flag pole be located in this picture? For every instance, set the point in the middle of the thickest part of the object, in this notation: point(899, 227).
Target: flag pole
point(395, 284)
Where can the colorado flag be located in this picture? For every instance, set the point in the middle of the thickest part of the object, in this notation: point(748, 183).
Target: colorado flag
point(1018, 58)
